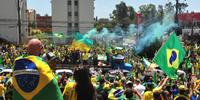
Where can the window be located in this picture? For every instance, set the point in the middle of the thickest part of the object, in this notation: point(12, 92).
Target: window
point(69, 2)
point(69, 32)
point(76, 25)
point(69, 25)
point(76, 3)
point(76, 13)
point(69, 13)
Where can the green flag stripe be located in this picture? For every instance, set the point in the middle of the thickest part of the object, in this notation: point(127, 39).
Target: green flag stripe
point(47, 92)
point(173, 43)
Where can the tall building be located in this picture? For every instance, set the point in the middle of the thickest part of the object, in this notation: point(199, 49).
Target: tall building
point(70, 16)
point(9, 20)
point(31, 17)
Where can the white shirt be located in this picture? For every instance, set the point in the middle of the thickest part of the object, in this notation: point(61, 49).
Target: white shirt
point(140, 88)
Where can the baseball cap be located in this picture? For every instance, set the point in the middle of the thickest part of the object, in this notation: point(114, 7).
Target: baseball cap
point(182, 87)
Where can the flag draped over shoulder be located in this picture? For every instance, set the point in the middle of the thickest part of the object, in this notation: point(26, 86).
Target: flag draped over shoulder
point(81, 43)
point(170, 56)
point(34, 80)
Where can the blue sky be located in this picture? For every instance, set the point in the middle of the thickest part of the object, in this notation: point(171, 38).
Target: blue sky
point(104, 7)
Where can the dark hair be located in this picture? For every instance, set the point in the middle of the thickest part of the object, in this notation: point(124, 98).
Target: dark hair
point(149, 86)
point(128, 93)
point(84, 87)
point(157, 96)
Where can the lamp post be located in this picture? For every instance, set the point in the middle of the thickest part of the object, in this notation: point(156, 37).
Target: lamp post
point(176, 13)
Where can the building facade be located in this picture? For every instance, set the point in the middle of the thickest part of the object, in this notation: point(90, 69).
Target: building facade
point(9, 20)
point(190, 21)
point(70, 16)
point(31, 17)
point(44, 23)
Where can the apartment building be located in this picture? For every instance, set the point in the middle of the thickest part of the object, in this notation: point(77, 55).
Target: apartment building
point(31, 18)
point(9, 20)
point(71, 16)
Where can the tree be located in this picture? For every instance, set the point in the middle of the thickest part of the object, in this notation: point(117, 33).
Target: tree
point(42, 37)
point(182, 7)
point(169, 7)
point(148, 13)
point(179, 8)
point(160, 13)
point(123, 15)
point(131, 13)
point(98, 26)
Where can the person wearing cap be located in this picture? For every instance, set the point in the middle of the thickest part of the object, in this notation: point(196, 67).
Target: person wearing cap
point(182, 93)
point(50, 58)
point(32, 76)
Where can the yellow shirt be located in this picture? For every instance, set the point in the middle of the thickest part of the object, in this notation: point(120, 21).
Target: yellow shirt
point(1, 78)
point(148, 95)
point(70, 92)
point(157, 89)
point(85, 56)
point(182, 96)
point(94, 81)
point(2, 89)
point(8, 61)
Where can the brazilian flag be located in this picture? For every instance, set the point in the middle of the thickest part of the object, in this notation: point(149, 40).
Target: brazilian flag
point(34, 80)
point(170, 56)
point(116, 94)
point(81, 43)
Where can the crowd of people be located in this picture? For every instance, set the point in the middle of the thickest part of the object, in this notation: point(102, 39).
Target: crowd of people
point(90, 82)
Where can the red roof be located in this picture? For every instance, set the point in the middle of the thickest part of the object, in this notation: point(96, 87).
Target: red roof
point(44, 23)
point(189, 16)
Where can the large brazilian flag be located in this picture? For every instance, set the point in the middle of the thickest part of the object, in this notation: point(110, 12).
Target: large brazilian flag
point(81, 43)
point(34, 80)
point(170, 56)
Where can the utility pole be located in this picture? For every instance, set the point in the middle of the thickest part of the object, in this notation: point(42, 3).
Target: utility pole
point(177, 10)
point(178, 29)
point(192, 30)
point(19, 20)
